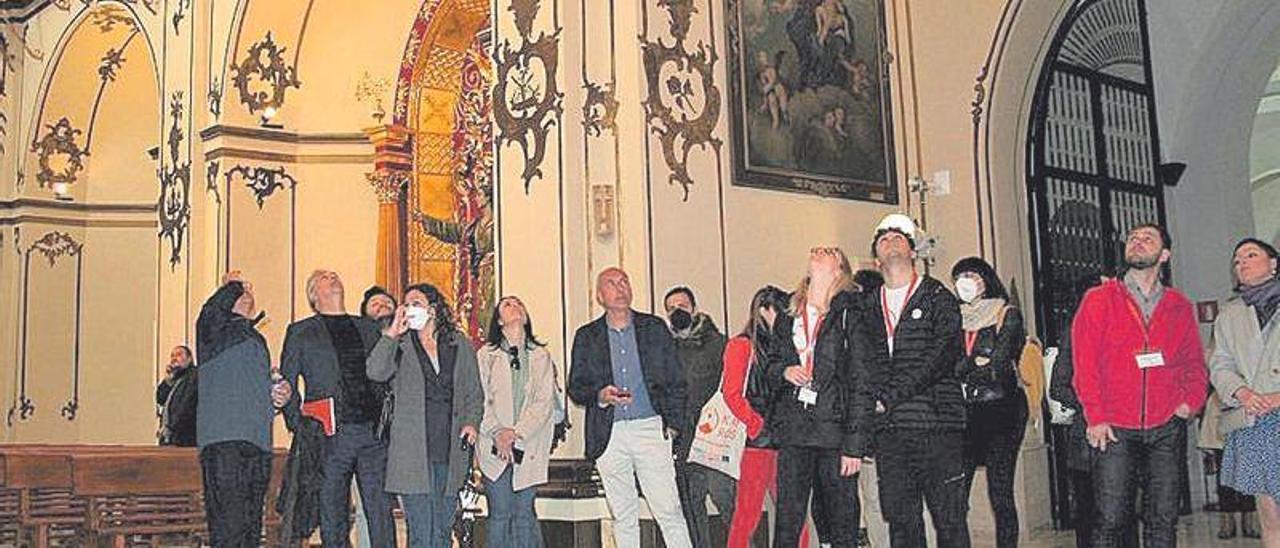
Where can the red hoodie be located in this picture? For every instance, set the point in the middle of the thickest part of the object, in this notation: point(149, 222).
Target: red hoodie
point(1107, 337)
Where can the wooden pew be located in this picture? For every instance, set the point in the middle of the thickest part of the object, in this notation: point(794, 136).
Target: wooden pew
point(39, 476)
point(141, 493)
point(81, 492)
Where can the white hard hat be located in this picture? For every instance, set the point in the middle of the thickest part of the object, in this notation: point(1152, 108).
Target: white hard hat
point(898, 222)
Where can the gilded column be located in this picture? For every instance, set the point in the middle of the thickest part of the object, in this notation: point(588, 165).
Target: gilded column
point(390, 179)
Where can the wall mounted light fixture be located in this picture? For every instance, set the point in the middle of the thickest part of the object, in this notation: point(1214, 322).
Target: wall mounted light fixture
point(268, 114)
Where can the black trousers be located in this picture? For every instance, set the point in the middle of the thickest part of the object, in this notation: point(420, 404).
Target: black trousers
point(923, 467)
point(1085, 509)
point(354, 450)
point(993, 438)
point(236, 475)
point(803, 471)
point(1146, 458)
point(695, 482)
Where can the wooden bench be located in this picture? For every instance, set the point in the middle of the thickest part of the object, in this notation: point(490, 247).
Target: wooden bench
point(76, 494)
point(40, 475)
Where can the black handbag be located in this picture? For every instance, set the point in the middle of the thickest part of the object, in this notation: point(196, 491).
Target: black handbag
point(382, 430)
point(983, 386)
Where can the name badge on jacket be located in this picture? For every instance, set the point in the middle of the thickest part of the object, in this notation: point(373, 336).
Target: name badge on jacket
point(1150, 359)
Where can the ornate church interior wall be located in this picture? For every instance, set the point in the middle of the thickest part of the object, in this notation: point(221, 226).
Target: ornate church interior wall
point(375, 116)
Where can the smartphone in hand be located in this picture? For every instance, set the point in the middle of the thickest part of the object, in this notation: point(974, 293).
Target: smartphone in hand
point(517, 454)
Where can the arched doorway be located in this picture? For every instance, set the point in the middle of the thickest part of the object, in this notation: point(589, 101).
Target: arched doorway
point(1092, 151)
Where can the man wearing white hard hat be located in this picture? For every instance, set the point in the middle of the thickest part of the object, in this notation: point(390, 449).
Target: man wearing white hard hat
point(909, 346)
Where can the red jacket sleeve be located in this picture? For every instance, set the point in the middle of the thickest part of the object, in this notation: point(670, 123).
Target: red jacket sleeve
point(1085, 356)
point(737, 358)
point(1194, 375)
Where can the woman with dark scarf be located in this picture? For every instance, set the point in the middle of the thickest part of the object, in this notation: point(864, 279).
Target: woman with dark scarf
point(997, 408)
point(1245, 370)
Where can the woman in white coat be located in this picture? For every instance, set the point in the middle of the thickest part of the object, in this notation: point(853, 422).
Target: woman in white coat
point(1245, 369)
point(518, 377)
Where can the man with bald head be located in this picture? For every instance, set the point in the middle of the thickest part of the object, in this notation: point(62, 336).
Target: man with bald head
point(626, 372)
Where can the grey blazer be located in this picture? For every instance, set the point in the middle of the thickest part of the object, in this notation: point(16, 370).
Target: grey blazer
point(407, 455)
point(309, 352)
point(1243, 355)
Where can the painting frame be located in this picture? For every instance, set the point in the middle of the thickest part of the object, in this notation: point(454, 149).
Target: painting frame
point(831, 133)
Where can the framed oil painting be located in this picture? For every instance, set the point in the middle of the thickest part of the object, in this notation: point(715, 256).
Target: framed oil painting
point(809, 98)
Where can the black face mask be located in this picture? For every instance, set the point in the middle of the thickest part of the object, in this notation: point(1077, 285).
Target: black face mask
point(681, 319)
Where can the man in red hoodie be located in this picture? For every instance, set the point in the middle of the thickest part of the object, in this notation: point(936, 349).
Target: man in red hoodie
point(1140, 374)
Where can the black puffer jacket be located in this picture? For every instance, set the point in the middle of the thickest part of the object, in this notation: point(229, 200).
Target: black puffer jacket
point(917, 385)
point(839, 380)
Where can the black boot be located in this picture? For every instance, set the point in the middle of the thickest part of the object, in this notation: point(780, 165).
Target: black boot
point(1226, 525)
point(1249, 525)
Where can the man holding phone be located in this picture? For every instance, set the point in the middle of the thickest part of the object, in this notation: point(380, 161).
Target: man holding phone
point(626, 372)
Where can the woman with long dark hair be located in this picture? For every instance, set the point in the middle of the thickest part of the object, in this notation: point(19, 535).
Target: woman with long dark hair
point(1243, 371)
point(765, 338)
point(997, 407)
point(518, 377)
point(438, 408)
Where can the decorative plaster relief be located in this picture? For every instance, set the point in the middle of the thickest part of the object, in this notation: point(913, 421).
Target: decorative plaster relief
point(683, 103)
point(600, 109)
point(174, 206)
point(264, 60)
point(53, 246)
point(60, 159)
point(262, 181)
point(527, 101)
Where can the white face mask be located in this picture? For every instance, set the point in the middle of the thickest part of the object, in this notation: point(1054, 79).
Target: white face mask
point(967, 289)
point(417, 316)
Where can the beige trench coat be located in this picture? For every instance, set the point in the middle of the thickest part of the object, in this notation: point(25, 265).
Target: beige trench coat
point(534, 425)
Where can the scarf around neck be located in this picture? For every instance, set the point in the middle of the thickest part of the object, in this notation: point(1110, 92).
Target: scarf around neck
point(1264, 299)
point(981, 313)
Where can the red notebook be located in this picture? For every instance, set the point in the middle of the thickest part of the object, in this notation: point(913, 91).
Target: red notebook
point(321, 410)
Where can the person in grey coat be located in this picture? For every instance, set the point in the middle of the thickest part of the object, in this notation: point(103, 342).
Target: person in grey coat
point(236, 408)
point(439, 403)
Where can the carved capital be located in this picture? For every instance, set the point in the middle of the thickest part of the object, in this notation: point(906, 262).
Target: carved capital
point(388, 185)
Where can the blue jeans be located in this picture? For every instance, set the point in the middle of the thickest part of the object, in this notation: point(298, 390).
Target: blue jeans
point(430, 515)
point(512, 521)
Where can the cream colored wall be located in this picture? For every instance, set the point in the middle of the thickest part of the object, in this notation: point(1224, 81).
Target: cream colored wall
point(118, 336)
point(724, 241)
point(111, 217)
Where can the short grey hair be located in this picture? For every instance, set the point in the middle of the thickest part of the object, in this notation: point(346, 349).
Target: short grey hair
point(311, 286)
